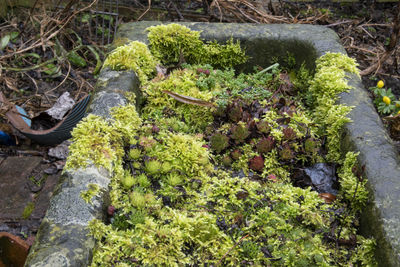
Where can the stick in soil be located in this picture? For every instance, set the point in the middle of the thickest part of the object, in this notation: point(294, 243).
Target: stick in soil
point(237, 243)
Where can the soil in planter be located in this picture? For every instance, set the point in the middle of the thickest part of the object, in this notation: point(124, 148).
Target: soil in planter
point(216, 172)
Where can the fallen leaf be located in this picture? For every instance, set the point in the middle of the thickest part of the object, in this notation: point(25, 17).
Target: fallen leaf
point(189, 100)
point(328, 197)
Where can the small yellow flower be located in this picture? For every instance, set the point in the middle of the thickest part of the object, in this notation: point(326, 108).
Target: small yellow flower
point(380, 84)
point(397, 105)
point(398, 112)
point(386, 100)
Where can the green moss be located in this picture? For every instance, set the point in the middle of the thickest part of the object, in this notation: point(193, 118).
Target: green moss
point(134, 56)
point(29, 208)
point(175, 43)
point(93, 190)
point(223, 56)
point(160, 105)
point(100, 142)
point(352, 187)
point(185, 211)
point(94, 141)
point(329, 80)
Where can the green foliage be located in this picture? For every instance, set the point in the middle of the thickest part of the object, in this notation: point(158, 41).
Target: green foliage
point(219, 142)
point(364, 255)
point(389, 107)
point(329, 80)
point(184, 208)
point(223, 56)
point(94, 141)
point(93, 190)
point(249, 87)
point(101, 142)
point(352, 187)
point(133, 56)
point(174, 44)
point(160, 105)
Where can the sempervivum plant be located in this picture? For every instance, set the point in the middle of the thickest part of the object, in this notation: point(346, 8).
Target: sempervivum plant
point(219, 142)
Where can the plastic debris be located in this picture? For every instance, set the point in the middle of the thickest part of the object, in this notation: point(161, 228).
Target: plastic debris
point(6, 139)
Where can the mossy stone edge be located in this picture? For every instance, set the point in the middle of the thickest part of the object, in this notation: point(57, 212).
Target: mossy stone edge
point(62, 239)
point(366, 134)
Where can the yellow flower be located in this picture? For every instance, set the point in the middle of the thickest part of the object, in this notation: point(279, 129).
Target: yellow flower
point(397, 105)
point(386, 100)
point(380, 84)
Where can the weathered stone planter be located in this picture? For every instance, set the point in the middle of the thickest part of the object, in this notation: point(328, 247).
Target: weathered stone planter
point(62, 239)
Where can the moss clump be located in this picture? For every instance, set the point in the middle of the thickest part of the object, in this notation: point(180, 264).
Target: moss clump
point(100, 142)
point(174, 43)
point(134, 153)
point(329, 80)
point(133, 56)
point(94, 141)
point(29, 208)
point(93, 190)
point(352, 185)
point(223, 56)
point(160, 106)
point(153, 166)
point(219, 142)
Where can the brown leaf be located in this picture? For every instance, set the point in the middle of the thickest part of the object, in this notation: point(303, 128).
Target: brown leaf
point(328, 197)
point(189, 100)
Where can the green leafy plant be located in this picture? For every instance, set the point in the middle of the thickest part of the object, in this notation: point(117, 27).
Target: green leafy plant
point(217, 190)
point(133, 56)
point(385, 100)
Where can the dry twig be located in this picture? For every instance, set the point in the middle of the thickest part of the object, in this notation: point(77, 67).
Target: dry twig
point(390, 48)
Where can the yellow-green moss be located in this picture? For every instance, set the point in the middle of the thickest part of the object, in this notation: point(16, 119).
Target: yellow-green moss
point(352, 187)
point(328, 82)
point(210, 210)
point(159, 103)
point(133, 56)
point(175, 43)
point(100, 142)
point(29, 208)
point(93, 190)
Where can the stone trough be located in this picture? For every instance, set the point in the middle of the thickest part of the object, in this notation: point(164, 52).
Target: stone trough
point(63, 239)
